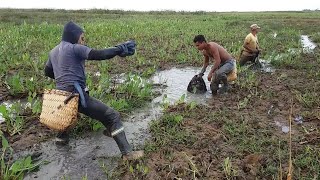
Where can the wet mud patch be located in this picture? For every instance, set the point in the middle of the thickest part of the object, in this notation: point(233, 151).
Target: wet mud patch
point(244, 130)
point(93, 147)
point(33, 133)
point(239, 129)
point(91, 155)
point(198, 149)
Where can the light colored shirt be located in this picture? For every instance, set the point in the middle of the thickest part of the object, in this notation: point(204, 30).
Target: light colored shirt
point(252, 42)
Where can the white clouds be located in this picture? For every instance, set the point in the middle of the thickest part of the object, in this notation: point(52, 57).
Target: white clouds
point(145, 5)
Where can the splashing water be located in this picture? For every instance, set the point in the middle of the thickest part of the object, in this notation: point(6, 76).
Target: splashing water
point(307, 44)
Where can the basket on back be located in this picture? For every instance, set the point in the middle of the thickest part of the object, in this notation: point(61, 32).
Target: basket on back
point(59, 109)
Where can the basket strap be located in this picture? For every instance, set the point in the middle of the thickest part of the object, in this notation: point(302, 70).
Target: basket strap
point(69, 98)
point(82, 98)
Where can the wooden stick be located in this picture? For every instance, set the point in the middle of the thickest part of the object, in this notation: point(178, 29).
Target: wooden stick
point(289, 176)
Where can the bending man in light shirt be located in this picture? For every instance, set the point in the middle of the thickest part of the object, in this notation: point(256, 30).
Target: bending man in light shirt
point(250, 46)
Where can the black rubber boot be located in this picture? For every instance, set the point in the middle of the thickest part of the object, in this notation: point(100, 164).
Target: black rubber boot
point(224, 89)
point(122, 143)
point(125, 148)
point(62, 138)
point(214, 86)
point(116, 131)
point(107, 133)
point(225, 86)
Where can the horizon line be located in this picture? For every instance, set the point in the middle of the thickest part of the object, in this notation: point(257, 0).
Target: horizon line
point(159, 10)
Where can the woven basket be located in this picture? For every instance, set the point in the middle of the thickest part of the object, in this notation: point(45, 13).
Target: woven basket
point(55, 113)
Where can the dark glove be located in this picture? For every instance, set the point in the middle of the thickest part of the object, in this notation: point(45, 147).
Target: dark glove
point(127, 48)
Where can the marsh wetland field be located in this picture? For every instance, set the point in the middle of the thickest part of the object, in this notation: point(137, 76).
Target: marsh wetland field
point(266, 127)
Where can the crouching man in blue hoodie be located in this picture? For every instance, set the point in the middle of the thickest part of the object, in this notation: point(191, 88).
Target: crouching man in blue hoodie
point(66, 64)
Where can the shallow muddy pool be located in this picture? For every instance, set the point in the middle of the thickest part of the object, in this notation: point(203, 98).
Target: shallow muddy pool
point(177, 81)
point(307, 45)
point(266, 66)
point(85, 156)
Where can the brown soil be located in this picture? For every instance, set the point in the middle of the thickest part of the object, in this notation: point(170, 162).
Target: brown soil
point(33, 133)
point(204, 158)
point(3, 92)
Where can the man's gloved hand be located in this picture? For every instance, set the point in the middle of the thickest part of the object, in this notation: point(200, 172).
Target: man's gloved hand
point(127, 48)
point(255, 51)
point(259, 51)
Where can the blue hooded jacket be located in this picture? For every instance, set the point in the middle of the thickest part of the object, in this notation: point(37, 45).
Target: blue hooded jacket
point(67, 59)
point(71, 33)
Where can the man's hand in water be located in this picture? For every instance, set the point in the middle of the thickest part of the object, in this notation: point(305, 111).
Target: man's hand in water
point(210, 76)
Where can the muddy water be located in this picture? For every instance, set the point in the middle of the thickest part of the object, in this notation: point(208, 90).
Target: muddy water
point(173, 84)
point(85, 156)
point(307, 44)
point(266, 66)
point(177, 81)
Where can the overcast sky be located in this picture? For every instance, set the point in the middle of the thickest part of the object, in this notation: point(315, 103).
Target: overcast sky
point(177, 5)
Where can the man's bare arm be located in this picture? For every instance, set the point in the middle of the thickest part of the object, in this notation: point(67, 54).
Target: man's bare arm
point(205, 64)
